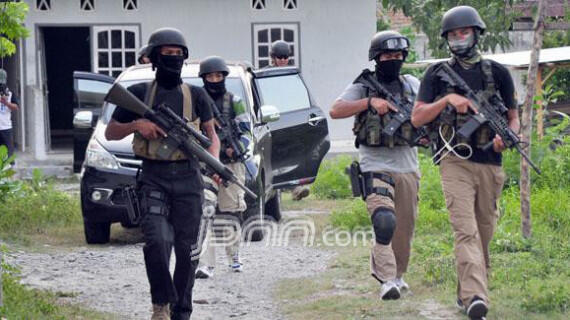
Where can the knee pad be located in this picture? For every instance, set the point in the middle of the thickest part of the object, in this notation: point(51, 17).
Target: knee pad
point(384, 223)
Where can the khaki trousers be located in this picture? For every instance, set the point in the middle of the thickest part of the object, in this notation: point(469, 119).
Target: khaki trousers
point(231, 198)
point(471, 193)
point(390, 261)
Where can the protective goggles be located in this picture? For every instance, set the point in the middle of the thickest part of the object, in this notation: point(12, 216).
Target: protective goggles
point(395, 44)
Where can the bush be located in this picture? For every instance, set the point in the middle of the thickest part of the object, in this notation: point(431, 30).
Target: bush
point(8, 186)
point(553, 163)
point(35, 207)
point(351, 216)
point(332, 181)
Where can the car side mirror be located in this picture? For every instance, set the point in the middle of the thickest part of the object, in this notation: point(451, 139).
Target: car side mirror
point(269, 114)
point(83, 120)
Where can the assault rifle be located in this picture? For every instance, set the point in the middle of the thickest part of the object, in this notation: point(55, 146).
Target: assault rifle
point(179, 134)
point(229, 133)
point(490, 111)
point(403, 115)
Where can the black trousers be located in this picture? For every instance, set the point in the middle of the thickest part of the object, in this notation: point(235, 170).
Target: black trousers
point(7, 140)
point(172, 196)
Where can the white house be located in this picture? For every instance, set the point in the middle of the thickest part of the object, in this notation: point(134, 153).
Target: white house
point(329, 38)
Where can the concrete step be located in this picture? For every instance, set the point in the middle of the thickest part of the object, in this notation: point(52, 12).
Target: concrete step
point(57, 164)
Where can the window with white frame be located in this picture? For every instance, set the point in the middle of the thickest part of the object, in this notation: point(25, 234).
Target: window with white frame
point(265, 34)
point(130, 5)
point(114, 48)
point(289, 4)
point(43, 5)
point(87, 5)
point(258, 4)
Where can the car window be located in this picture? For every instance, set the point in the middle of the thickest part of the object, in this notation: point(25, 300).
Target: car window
point(91, 92)
point(233, 85)
point(287, 93)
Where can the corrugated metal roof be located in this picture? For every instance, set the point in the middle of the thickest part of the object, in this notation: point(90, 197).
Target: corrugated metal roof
point(521, 59)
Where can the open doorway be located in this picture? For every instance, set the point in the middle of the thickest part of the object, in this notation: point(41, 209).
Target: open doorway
point(67, 49)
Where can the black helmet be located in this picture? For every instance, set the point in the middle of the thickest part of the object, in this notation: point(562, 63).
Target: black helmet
point(280, 48)
point(213, 64)
point(385, 41)
point(143, 52)
point(164, 37)
point(461, 17)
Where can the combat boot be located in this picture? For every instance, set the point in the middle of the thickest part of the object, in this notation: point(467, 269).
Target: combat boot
point(300, 192)
point(160, 312)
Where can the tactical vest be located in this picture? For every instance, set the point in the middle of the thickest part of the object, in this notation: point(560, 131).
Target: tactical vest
point(451, 121)
point(227, 107)
point(148, 148)
point(368, 125)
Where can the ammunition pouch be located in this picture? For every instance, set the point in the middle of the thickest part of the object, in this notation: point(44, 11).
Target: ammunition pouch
point(165, 148)
point(154, 201)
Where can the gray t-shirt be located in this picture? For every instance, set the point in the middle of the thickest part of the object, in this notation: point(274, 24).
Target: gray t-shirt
point(401, 159)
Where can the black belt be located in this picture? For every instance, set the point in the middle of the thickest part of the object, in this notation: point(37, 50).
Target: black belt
point(169, 166)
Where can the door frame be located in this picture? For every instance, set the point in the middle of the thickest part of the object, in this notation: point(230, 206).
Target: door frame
point(41, 77)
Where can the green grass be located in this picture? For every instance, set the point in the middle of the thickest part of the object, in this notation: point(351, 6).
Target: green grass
point(21, 302)
point(529, 279)
point(34, 213)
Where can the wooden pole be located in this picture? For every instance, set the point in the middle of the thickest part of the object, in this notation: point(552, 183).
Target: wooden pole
point(540, 110)
point(526, 123)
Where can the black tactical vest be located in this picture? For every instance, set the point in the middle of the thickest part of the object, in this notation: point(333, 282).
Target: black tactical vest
point(368, 125)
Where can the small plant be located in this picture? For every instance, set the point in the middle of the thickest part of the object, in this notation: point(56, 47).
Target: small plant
point(8, 186)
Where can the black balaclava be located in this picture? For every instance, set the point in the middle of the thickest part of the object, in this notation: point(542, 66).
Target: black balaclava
point(215, 89)
point(168, 70)
point(388, 70)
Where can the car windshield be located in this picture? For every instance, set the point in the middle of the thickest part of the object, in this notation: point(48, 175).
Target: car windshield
point(233, 85)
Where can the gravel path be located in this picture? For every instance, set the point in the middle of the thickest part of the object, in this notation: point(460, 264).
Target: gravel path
point(113, 278)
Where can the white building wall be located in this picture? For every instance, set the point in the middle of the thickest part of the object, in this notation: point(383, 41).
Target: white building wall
point(334, 39)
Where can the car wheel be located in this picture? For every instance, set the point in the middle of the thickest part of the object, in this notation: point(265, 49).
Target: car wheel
point(273, 206)
point(253, 219)
point(96, 232)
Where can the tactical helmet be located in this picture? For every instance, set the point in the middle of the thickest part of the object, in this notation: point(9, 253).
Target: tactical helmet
point(461, 17)
point(280, 48)
point(143, 53)
point(165, 37)
point(213, 64)
point(386, 41)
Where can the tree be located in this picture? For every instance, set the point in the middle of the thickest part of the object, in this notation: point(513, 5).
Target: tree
point(532, 84)
point(426, 16)
point(12, 16)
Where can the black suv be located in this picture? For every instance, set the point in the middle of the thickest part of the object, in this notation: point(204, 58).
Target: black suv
point(290, 139)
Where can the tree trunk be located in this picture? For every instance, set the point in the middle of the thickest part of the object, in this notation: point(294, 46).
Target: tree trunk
point(526, 123)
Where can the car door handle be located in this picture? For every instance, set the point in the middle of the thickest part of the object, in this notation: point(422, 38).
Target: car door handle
point(315, 119)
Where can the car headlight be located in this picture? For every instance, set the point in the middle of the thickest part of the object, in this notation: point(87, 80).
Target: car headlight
point(96, 156)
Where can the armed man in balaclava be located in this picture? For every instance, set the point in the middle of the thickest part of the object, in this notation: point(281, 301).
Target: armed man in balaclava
point(171, 190)
point(388, 170)
point(471, 173)
point(233, 123)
